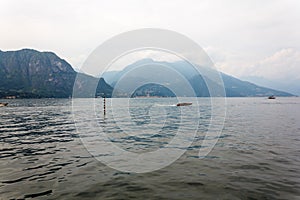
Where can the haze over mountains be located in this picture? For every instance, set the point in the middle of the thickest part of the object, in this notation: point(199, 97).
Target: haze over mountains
point(32, 74)
point(291, 86)
point(138, 72)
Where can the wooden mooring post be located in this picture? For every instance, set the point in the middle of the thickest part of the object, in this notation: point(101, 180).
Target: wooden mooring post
point(104, 105)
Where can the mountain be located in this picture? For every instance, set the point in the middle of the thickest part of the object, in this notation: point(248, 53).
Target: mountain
point(32, 74)
point(181, 66)
point(147, 70)
point(291, 86)
point(153, 90)
point(237, 87)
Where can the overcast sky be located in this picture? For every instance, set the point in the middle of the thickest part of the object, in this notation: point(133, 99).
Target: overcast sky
point(242, 37)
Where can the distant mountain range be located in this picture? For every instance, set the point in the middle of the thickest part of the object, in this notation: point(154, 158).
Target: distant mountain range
point(291, 86)
point(134, 76)
point(32, 74)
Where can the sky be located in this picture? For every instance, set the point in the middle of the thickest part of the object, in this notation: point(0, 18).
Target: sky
point(243, 38)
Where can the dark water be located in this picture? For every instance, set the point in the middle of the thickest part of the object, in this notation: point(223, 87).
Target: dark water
point(256, 157)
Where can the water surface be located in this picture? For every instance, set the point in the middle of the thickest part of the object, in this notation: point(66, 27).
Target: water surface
point(256, 157)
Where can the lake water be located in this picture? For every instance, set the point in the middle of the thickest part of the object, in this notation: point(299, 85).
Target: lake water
point(256, 157)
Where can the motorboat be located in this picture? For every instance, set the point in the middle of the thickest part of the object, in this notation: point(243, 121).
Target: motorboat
point(3, 104)
point(184, 104)
point(272, 97)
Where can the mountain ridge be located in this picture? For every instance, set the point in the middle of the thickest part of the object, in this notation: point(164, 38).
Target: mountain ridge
point(28, 73)
point(234, 87)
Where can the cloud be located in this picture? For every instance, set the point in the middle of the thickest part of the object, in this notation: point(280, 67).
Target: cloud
point(240, 36)
point(282, 65)
point(233, 63)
